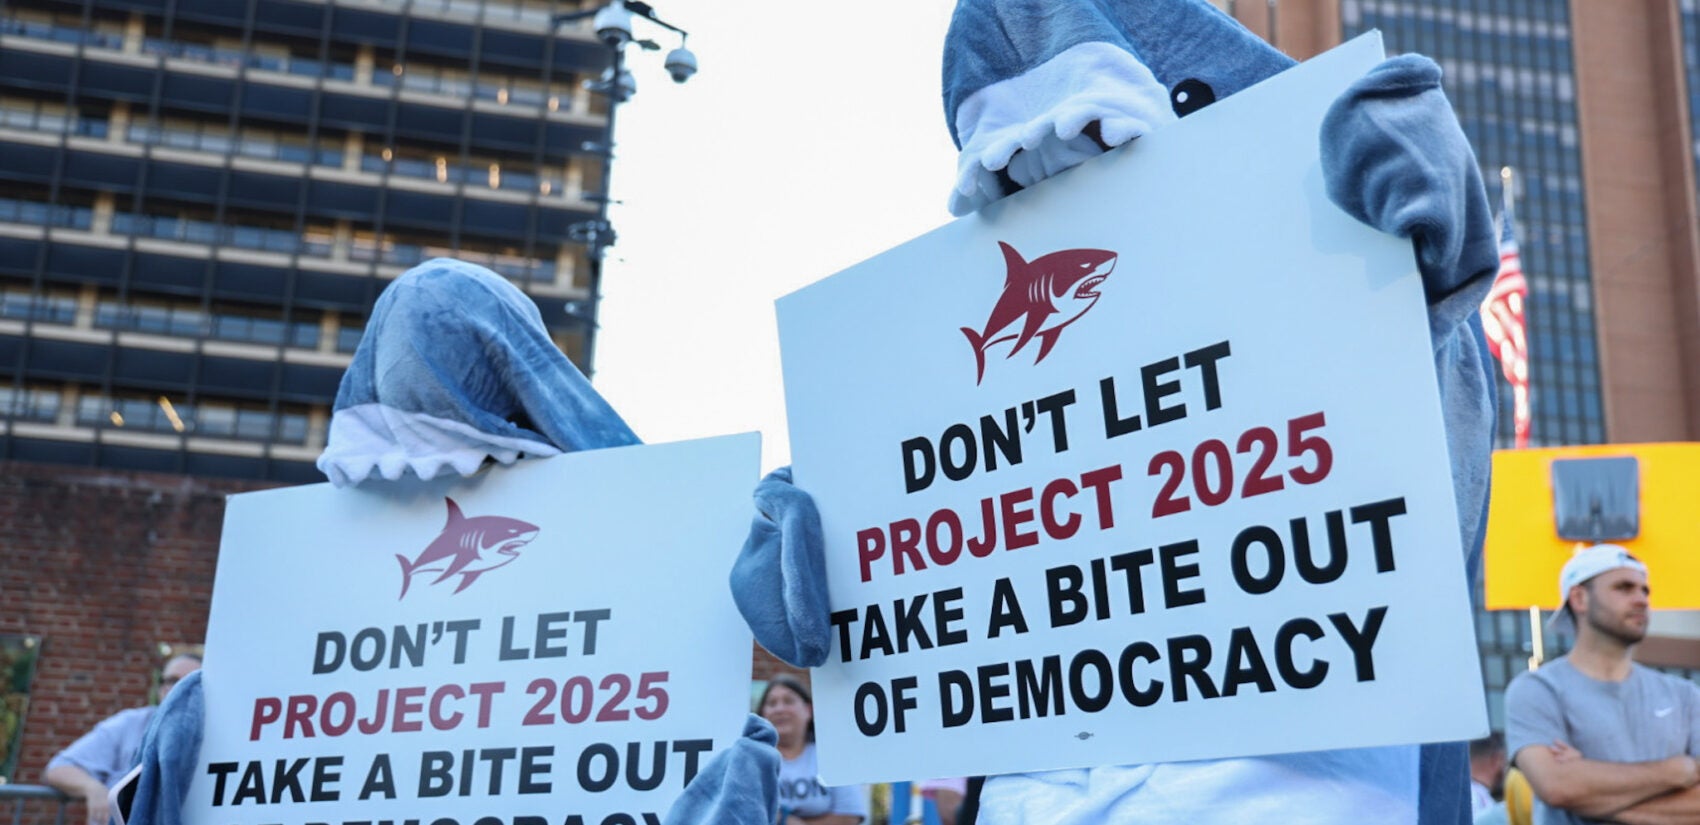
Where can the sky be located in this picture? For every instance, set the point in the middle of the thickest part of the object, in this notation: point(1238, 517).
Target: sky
point(812, 138)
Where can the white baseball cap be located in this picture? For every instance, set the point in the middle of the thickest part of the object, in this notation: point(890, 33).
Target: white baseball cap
point(1583, 566)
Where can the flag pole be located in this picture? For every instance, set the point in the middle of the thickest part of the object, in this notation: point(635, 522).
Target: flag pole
point(1507, 186)
point(1539, 654)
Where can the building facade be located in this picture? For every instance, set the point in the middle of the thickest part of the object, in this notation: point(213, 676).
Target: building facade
point(1593, 105)
point(201, 199)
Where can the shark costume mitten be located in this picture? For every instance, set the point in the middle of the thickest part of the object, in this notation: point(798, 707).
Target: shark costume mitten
point(170, 749)
point(1033, 87)
point(456, 369)
point(739, 785)
point(779, 579)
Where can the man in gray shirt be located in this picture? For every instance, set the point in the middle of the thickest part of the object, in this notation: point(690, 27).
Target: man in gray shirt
point(1601, 738)
point(102, 756)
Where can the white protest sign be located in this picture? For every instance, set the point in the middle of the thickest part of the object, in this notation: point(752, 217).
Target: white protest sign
point(1145, 463)
point(557, 646)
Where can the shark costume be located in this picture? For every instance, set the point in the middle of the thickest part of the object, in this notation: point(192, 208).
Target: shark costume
point(455, 371)
point(1033, 87)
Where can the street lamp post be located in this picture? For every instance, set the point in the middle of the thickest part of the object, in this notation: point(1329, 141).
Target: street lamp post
point(613, 24)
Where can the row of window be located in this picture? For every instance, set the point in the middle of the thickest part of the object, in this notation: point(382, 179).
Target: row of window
point(271, 144)
point(104, 36)
point(314, 242)
point(32, 116)
point(36, 213)
point(264, 144)
point(194, 323)
point(537, 12)
point(237, 58)
point(367, 248)
point(238, 325)
point(501, 89)
point(207, 419)
point(20, 305)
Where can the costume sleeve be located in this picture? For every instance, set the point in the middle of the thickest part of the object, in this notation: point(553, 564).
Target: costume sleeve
point(102, 751)
point(1533, 715)
point(169, 754)
point(779, 578)
point(739, 786)
point(1394, 157)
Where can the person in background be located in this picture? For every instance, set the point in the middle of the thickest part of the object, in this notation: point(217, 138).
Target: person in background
point(1487, 771)
point(946, 794)
point(803, 800)
point(95, 762)
point(1600, 737)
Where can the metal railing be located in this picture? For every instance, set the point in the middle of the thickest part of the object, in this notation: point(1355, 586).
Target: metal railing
point(15, 798)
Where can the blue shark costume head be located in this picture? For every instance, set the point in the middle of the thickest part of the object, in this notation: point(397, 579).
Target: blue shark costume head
point(456, 368)
point(1033, 87)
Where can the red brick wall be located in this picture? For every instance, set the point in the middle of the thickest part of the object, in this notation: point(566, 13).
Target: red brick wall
point(104, 567)
point(765, 666)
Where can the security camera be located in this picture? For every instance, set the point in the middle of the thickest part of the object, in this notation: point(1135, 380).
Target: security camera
point(614, 24)
point(681, 64)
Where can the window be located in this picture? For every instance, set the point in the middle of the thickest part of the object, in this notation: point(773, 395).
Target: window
point(29, 404)
point(209, 419)
point(247, 325)
point(20, 305)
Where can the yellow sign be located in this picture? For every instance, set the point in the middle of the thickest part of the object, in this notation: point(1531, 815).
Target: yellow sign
point(1524, 553)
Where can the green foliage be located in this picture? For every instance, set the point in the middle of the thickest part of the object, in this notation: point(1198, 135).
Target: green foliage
point(18, 655)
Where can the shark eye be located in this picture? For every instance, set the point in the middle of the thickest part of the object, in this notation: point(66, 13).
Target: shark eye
point(1190, 95)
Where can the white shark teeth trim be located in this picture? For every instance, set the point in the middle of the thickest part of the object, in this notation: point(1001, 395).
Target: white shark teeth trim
point(1032, 123)
point(369, 437)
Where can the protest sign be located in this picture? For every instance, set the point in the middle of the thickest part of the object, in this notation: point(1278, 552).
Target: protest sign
point(1524, 551)
point(551, 643)
point(1145, 463)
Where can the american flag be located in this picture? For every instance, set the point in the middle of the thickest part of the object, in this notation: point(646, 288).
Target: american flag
point(1502, 320)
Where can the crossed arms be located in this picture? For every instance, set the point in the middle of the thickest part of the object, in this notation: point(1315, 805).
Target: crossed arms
point(1660, 792)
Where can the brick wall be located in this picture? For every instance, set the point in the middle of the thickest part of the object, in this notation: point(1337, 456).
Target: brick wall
point(104, 567)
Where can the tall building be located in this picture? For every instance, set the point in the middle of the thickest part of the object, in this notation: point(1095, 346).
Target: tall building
point(1594, 105)
point(201, 199)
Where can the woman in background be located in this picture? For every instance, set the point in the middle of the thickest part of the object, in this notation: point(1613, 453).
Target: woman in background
point(803, 800)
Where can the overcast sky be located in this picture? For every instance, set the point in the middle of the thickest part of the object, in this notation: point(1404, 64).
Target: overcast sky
point(812, 138)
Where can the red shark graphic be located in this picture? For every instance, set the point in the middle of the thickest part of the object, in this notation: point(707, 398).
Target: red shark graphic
point(462, 545)
point(1039, 299)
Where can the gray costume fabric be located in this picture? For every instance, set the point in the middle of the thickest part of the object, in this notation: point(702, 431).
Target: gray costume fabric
point(168, 756)
point(456, 368)
point(1033, 87)
point(1646, 717)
